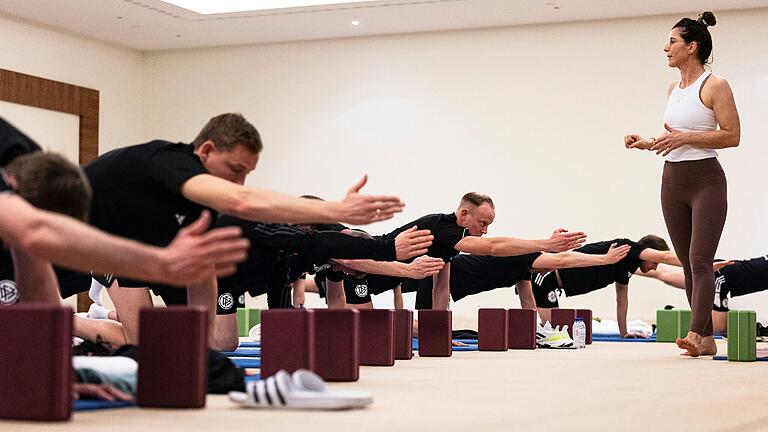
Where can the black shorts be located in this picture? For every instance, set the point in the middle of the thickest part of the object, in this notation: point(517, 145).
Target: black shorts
point(72, 282)
point(360, 293)
point(721, 293)
point(545, 290)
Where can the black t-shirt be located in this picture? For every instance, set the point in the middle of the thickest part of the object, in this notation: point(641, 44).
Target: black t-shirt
point(587, 279)
point(137, 190)
point(13, 143)
point(473, 274)
point(4, 188)
point(746, 276)
point(446, 230)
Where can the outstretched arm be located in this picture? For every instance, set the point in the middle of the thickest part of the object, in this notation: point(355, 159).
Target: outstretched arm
point(441, 288)
point(264, 205)
point(419, 268)
point(72, 244)
point(577, 259)
point(664, 257)
point(560, 241)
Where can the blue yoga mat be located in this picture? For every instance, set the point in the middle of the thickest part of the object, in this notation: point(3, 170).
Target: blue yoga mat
point(249, 345)
point(256, 377)
point(471, 342)
point(247, 362)
point(90, 405)
point(617, 338)
point(244, 352)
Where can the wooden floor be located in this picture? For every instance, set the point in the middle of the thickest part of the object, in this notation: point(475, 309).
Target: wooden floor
point(607, 387)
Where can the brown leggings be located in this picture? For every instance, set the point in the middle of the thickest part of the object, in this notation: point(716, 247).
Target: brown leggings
point(694, 200)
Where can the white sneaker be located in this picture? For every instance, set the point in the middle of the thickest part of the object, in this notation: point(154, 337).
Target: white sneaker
point(255, 333)
point(547, 337)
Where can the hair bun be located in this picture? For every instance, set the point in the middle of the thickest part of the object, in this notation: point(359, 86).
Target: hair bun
point(707, 18)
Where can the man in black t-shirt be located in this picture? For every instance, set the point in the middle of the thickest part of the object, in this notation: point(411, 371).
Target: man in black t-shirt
point(733, 278)
point(462, 231)
point(150, 191)
point(645, 255)
point(50, 182)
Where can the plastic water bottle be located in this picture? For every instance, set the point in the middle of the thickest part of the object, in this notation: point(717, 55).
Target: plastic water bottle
point(580, 333)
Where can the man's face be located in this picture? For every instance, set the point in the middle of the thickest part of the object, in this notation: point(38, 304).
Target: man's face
point(233, 165)
point(476, 219)
point(647, 266)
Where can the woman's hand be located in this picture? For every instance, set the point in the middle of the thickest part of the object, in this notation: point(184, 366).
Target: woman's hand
point(635, 141)
point(671, 140)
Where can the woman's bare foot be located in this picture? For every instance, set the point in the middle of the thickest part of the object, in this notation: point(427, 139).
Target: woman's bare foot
point(691, 343)
point(708, 346)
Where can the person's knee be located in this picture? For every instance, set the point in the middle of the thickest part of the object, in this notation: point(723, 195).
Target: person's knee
point(701, 265)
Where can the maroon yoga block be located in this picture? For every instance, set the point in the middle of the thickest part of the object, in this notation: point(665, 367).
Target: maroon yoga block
point(561, 317)
point(287, 340)
point(337, 344)
point(492, 330)
point(435, 328)
point(36, 362)
point(173, 357)
point(403, 334)
point(522, 328)
point(377, 337)
point(586, 315)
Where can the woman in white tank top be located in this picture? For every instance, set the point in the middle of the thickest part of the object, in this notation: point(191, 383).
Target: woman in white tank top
point(694, 191)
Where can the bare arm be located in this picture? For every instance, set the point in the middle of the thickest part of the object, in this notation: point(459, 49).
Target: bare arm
point(622, 304)
point(578, 259)
point(419, 268)
point(664, 257)
point(75, 245)
point(525, 291)
point(203, 294)
point(398, 297)
point(35, 279)
point(674, 279)
point(264, 205)
point(298, 287)
point(560, 241)
point(441, 288)
point(335, 295)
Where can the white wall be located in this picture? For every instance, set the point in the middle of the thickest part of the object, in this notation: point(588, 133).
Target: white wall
point(116, 72)
point(532, 115)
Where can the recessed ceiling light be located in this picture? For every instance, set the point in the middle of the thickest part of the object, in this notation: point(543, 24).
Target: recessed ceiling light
point(355, 23)
point(207, 7)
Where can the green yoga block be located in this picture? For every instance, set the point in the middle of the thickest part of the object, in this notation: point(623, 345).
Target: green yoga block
point(672, 324)
point(247, 318)
point(742, 342)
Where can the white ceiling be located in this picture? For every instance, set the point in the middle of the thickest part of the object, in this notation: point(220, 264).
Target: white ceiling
point(154, 25)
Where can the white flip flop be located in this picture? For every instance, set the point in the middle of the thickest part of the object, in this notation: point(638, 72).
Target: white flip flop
point(305, 390)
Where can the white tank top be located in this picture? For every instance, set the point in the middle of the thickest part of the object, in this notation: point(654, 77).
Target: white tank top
point(685, 112)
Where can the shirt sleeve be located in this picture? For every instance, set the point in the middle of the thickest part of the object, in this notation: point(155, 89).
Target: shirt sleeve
point(173, 165)
point(13, 143)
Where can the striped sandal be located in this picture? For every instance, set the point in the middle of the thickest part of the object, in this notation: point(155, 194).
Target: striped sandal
point(303, 390)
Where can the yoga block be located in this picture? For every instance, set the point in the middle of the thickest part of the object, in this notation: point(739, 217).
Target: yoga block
point(522, 329)
point(586, 315)
point(672, 324)
point(492, 330)
point(403, 334)
point(246, 319)
point(337, 339)
point(173, 357)
point(36, 362)
point(377, 337)
point(287, 340)
point(742, 342)
point(435, 328)
point(563, 317)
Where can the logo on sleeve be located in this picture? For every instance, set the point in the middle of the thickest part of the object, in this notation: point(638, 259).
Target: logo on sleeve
point(361, 290)
point(180, 218)
point(241, 299)
point(226, 301)
point(9, 294)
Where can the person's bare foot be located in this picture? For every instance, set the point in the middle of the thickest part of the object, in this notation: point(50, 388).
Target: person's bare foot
point(691, 343)
point(708, 346)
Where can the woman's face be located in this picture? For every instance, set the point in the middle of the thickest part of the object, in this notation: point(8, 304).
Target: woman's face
point(678, 51)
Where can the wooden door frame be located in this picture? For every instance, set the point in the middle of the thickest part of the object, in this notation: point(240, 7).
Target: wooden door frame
point(29, 90)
